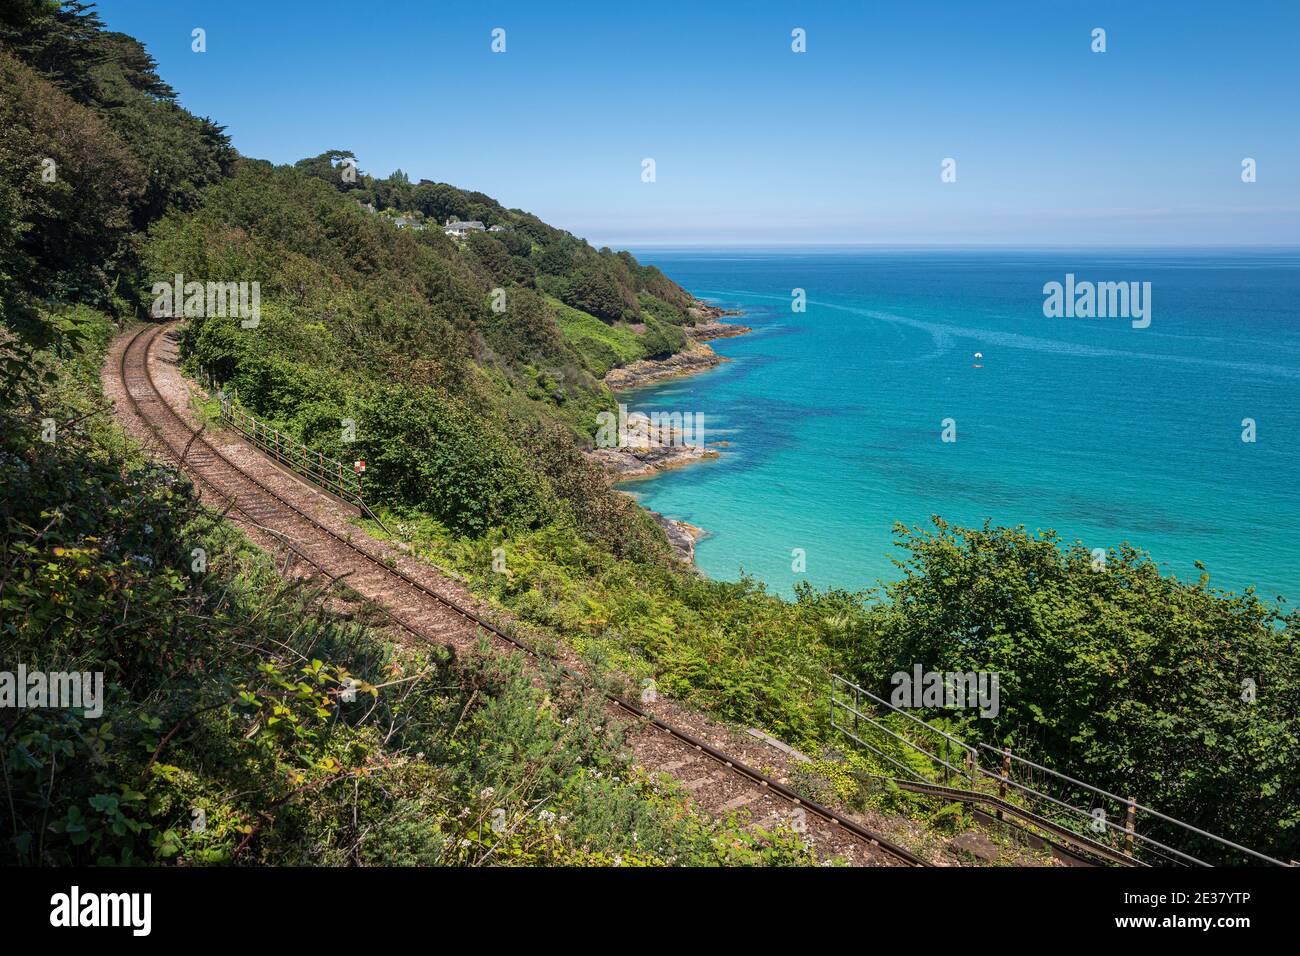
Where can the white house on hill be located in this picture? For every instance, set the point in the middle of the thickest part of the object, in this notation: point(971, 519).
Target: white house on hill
point(462, 229)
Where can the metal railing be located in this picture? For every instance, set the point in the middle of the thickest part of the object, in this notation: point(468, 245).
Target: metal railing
point(334, 476)
point(857, 713)
point(949, 743)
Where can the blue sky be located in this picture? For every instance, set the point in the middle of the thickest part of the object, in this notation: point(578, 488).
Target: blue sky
point(1055, 144)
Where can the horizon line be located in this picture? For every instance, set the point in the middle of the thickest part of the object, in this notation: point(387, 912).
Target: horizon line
point(865, 244)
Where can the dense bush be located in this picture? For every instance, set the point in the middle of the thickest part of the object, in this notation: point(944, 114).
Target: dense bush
point(593, 290)
point(424, 447)
point(1131, 679)
point(67, 185)
point(92, 150)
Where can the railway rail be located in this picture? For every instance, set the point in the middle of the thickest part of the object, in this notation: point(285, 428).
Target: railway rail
point(724, 783)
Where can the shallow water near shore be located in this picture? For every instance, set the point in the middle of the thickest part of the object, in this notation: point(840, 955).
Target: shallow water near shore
point(1104, 432)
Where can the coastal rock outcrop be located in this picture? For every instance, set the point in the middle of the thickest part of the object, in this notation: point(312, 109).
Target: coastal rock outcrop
point(625, 464)
point(695, 359)
point(708, 331)
point(710, 313)
point(646, 447)
point(681, 536)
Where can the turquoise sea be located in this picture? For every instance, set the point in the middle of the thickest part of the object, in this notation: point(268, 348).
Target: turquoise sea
point(1105, 432)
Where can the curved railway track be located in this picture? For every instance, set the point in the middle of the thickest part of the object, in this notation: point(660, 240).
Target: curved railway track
point(715, 779)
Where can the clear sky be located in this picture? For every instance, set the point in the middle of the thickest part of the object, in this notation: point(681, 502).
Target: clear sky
point(753, 143)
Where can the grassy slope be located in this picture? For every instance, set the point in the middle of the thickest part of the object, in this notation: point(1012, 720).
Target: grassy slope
point(602, 347)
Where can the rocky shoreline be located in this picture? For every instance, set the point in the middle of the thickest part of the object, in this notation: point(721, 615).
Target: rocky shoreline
point(698, 358)
point(702, 310)
point(655, 451)
point(629, 464)
point(681, 536)
point(708, 331)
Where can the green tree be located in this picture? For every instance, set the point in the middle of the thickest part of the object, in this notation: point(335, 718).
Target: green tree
point(1113, 673)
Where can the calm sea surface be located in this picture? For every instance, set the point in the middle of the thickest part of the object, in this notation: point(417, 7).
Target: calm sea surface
point(1102, 431)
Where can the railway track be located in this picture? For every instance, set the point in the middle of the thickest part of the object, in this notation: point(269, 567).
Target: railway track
point(717, 781)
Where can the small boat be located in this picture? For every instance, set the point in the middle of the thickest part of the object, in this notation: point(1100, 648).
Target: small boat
point(978, 357)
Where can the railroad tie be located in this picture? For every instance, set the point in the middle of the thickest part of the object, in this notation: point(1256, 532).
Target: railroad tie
point(674, 766)
point(745, 799)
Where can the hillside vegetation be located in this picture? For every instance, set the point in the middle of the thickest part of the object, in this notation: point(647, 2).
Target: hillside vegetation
point(473, 422)
point(479, 416)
